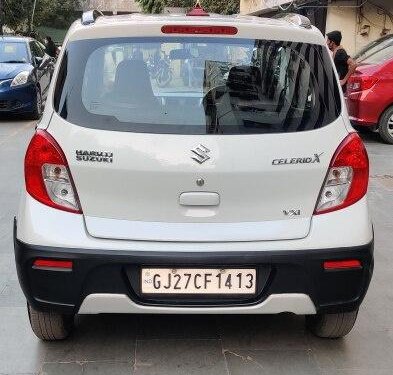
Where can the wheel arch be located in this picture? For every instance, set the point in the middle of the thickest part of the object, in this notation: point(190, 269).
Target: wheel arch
point(387, 108)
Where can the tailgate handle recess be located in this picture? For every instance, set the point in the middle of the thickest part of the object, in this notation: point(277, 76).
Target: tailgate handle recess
point(199, 198)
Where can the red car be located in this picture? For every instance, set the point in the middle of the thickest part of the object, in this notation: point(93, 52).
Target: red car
point(370, 88)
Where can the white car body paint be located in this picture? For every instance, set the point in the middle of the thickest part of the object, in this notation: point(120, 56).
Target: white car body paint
point(143, 161)
point(42, 225)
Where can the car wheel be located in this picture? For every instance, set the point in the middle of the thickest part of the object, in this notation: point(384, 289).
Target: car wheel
point(37, 112)
point(332, 326)
point(386, 126)
point(50, 325)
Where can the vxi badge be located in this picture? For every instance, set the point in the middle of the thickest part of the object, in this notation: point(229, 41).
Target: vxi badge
point(307, 160)
point(94, 156)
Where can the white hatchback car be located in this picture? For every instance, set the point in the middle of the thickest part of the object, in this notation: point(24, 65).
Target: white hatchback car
point(194, 164)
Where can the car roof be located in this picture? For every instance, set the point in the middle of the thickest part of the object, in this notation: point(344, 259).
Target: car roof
point(150, 25)
point(212, 18)
point(15, 38)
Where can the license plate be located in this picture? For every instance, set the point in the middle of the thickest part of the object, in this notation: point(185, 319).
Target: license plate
point(198, 281)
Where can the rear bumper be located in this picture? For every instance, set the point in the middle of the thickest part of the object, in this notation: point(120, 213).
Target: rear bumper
point(108, 281)
point(366, 107)
point(361, 122)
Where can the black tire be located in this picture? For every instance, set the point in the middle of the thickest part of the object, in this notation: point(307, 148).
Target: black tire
point(37, 112)
point(332, 326)
point(50, 326)
point(386, 126)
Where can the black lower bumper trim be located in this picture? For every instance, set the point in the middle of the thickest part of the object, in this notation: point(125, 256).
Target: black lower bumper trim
point(111, 271)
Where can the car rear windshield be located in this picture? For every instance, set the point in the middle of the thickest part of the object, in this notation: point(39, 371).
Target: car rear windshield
point(378, 54)
point(196, 85)
point(375, 47)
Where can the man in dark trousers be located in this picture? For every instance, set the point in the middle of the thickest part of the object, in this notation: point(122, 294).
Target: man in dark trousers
point(51, 48)
point(345, 65)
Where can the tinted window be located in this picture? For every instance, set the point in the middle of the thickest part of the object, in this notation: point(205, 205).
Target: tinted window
point(40, 49)
point(197, 86)
point(13, 52)
point(378, 55)
point(36, 50)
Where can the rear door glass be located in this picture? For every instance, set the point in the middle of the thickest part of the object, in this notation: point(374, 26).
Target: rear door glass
point(197, 86)
point(379, 56)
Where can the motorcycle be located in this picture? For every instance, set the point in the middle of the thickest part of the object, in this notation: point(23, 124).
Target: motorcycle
point(160, 69)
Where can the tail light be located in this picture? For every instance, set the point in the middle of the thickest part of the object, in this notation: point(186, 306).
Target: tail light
point(47, 175)
point(347, 178)
point(361, 83)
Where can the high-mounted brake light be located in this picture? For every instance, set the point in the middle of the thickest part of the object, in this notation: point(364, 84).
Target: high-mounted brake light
point(53, 264)
point(330, 265)
point(47, 176)
point(347, 178)
point(195, 30)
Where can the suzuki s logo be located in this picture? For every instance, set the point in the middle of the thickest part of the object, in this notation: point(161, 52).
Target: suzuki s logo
point(200, 154)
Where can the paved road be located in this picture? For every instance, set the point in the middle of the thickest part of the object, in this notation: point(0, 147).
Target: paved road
point(172, 345)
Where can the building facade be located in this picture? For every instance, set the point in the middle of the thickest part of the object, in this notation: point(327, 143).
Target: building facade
point(360, 25)
point(360, 21)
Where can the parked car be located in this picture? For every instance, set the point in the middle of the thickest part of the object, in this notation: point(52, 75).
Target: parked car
point(25, 74)
point(243, 195)
point(369, 93)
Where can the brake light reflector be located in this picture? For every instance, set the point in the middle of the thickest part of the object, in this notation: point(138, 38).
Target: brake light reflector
point(342, 264)
point(47, 176)
point(347, 178)
point(195, 30)
point(52, 263)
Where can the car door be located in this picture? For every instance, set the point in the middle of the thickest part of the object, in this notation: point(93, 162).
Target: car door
point(43, 70)
point(246, 166)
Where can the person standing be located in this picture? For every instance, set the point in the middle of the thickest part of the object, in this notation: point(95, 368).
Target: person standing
point(51, 48)
point(345, 65)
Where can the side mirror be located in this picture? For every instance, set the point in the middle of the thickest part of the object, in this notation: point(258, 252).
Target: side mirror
point(42, 62)
point(38, 61)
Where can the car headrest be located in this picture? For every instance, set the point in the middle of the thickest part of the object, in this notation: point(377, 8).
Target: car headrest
point(244, 80)
point(132, 80)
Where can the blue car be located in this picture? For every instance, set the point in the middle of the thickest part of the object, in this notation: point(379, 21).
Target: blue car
point(25, 74)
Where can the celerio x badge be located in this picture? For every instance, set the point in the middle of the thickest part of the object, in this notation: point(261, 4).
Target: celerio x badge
point(200, 154)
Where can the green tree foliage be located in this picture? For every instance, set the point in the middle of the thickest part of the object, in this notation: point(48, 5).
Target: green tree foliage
point(17, 14)
point(56, 13)
point(222, 6)
point(152, 6)
point(214, 6)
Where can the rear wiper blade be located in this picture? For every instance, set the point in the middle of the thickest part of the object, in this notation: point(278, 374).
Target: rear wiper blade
point(13, 62)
